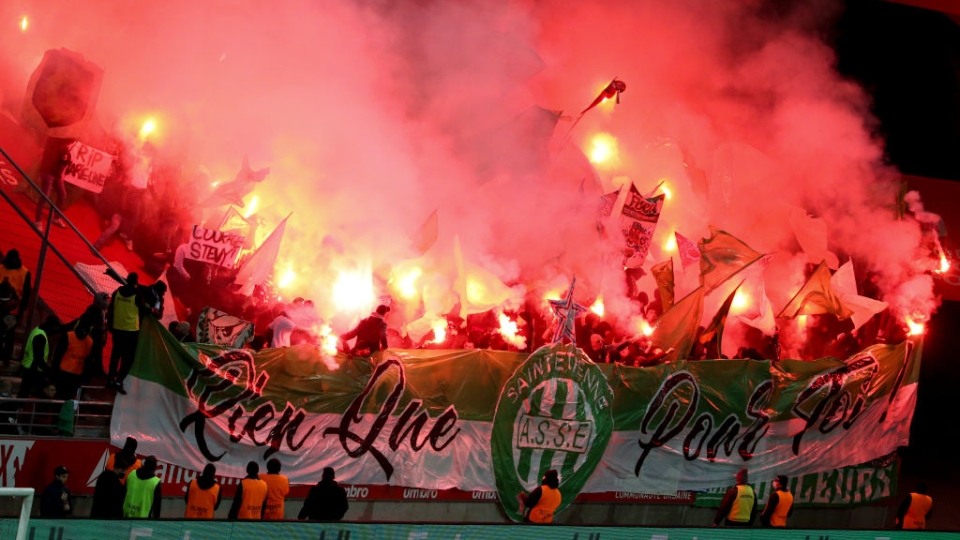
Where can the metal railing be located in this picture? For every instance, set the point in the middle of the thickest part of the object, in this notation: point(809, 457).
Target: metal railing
point(55, 417)
point(59, 291)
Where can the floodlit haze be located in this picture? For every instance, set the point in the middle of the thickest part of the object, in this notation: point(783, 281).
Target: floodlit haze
point(373, 114)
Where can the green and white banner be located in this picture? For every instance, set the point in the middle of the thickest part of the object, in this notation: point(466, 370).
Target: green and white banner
point(492, 420)
point(848, 486)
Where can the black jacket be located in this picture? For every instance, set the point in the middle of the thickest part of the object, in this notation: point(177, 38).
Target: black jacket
point(108, 496)
point(327, 501)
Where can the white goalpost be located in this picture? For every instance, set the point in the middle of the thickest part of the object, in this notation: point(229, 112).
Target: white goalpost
point(26, 503)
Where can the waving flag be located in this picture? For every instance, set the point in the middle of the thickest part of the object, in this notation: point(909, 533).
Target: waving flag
point(721, 256)
point(638, 221)
point(688, 250)
point(613, 90)
point(663, 275)
point(816, 297)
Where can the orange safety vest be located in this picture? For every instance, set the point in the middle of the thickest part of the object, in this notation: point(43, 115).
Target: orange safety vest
point(779, 516)
point(251, 503)
point(201, 502)
point(916, 517)
point(77, 351)
point(277, 488)
point(17, 279)
point(123, 478)
point(542, 512)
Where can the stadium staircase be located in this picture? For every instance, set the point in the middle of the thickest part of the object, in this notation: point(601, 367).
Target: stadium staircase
point(51, 253)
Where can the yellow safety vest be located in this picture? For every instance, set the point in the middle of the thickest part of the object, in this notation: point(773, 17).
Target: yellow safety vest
point(139, 499)
point(742, 505)
point(126, 315)
point(28, 348)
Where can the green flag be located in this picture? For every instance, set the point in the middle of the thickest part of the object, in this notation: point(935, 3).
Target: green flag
point(722, 256)
point(816, 297)
point(677, 328)
point(712, 335)
point(663, 274)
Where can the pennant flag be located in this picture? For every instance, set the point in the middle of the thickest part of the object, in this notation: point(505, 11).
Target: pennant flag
point(688, 250)
point(816, 297)
point(811, 234)
point(677, 329)
point(607, 202)
point(844, 283)
point(663, 274)
point(721, 256)
point(426, 235)
point(258, 267)
point(712, 335)
point(567, 312)
point(638, 222)
point(613, 90)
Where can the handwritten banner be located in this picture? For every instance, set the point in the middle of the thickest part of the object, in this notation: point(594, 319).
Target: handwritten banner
point(214, 247)
point(88, 167)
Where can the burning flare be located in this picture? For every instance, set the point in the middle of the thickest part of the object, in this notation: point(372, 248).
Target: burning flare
point(508, 329)
point(148, 127)
point(252, 207)
point(352, 291)
point(944, 264)
point(670, 244)
point(24, 23)
point(666, 191)
point(597, 306)
point(439, 326)
point(915, 327)
point(603, 148)
point(287, 279)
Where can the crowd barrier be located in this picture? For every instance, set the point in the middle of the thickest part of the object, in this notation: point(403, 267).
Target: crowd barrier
point(87, 529)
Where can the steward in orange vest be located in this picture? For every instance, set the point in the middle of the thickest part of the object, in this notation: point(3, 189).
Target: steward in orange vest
point(542, 502)
point(779, 505)
point(251, 495)
point(203, 494)
point(915, 509)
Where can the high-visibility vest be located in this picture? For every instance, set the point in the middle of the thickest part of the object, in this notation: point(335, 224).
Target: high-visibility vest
point(126, 315)
point(251, 503)
point(201, 502)
point(123, 478)
point(542, 512)
point(17, 279)
point(77, 351)
point(742, 505)
point(779, 516)
point(139, 499)
point(28, 348)
point(916, 517)
point(277, 488)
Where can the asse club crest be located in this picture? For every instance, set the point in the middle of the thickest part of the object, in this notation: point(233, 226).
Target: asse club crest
point(554, 413)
